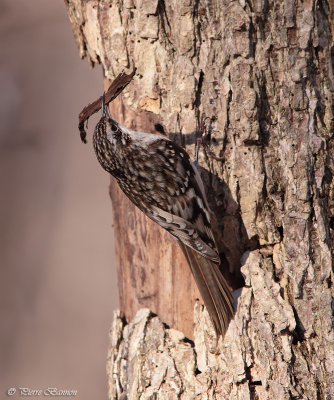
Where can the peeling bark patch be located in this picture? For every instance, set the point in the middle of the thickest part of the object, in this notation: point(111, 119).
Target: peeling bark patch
point(167, 362)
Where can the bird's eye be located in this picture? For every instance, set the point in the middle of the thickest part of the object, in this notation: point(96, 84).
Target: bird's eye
point(114, 128)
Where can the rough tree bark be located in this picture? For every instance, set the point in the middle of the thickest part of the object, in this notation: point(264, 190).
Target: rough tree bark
point(264, 70)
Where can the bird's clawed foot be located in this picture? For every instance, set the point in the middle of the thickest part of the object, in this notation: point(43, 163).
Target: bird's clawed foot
point(203, 137)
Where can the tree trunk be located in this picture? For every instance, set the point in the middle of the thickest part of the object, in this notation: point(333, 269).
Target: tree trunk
point(263, 72)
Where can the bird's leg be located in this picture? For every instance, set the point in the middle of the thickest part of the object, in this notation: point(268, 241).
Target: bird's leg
point(199, 137)
point(197, 147)
point(205, 138)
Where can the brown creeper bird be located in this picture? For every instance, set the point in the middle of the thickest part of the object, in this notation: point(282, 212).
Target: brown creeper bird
point(158, 176)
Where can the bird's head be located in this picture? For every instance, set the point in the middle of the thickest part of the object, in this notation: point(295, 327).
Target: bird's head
point(112, 126)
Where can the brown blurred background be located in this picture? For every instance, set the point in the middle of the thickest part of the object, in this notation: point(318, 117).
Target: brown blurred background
point(58, 280)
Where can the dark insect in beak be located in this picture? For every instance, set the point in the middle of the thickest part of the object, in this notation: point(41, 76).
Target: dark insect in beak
point(117, 86)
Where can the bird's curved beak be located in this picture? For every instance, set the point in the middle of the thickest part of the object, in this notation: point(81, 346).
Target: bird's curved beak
point(103, 106)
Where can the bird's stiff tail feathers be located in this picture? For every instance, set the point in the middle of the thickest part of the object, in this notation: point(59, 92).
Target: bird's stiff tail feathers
point(213, 287)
